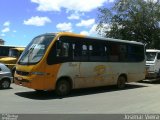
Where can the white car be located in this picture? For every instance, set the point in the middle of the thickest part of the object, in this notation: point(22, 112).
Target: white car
point(153, 64)
point(5, 77)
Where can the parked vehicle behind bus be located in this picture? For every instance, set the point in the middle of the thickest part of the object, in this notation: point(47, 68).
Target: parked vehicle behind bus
point(66, 61)
point(4, 50)
point(11, 59)
point(5, 77)
point(152, 64)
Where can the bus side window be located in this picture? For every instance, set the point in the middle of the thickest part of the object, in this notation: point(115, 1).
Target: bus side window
point(57, 49)
point(94, 52)
point(84, 50)
point(97, 52)
point(135, 53)
point(62, 49)
point(73, 51)
point(123, 53)
point(76, 51)
point(80, 52)
point(114, 52)
point(59, 53)
point(104, 51)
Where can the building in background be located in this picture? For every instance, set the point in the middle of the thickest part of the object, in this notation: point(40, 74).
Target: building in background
point(2, 41)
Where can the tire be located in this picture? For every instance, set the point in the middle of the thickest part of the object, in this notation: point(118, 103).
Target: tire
point(121, 82)
point(5, 84)
point(63, 87)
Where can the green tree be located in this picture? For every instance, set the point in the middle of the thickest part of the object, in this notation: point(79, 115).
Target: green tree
point(137, 20)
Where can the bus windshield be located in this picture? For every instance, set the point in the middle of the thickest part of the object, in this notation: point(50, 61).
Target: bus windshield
point(151, 56)
point(36, 49)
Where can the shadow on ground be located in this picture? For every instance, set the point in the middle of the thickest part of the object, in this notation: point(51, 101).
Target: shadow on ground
point(45, 95)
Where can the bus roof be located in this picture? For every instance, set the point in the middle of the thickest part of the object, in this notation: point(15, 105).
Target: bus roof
point(97, 38)
point(152, 50)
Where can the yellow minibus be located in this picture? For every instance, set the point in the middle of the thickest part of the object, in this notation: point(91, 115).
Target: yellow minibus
point(11, 59)
point(65, 61)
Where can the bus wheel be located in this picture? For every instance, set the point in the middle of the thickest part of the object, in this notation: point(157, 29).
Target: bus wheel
point(63, 87)
point(5, 84)
point(121, 82)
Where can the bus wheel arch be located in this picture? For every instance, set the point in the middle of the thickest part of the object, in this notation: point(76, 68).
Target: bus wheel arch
point(63, 86)
point(121, 81)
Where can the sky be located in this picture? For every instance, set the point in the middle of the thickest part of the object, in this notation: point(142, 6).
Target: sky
point(22, 20)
